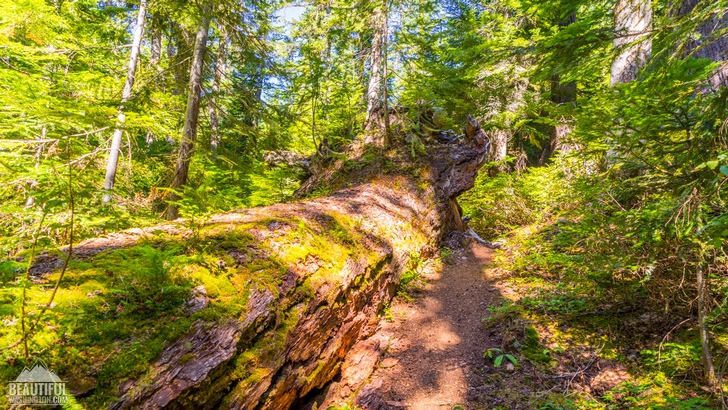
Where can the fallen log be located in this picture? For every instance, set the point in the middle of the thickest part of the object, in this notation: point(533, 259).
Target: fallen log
point(309, 277)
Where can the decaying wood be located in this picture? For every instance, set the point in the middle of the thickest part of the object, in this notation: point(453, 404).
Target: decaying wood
point(397, 214)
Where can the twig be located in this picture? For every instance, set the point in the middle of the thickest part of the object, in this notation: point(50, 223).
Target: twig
point(572, 376)
point(83, 134)
point(90, 154)
point(615, 201)
point(659, 349)
point(581, 371)
point(42, 141)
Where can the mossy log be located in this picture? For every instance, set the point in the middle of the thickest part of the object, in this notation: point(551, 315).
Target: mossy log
point(308, 278)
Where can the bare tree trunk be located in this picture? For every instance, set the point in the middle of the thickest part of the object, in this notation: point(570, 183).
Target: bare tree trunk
point(38, 157)
point(561, 94)
point(220, 68)
point(632, 21)
point(499, 139)
point(385, 95)
point(156, 48)
point(709, 369)
point(178, 43)
point(192, 114)
point(374, 90)
point(111, 166)
point(709, 45)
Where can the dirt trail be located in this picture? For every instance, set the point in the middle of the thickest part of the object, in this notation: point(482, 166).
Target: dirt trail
point(436, 342)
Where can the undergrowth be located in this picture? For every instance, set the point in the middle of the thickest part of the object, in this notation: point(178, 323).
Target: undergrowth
point(597, 285)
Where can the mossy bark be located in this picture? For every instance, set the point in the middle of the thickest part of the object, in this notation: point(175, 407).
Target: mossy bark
point(310, 277)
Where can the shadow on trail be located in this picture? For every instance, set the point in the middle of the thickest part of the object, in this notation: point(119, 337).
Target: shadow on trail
point(434, 359)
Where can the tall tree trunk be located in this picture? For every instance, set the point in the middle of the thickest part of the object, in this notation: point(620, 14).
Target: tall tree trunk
point(220, 68)
point(709, 369)
point(385, 73)
point(709, 45)
point(374, 90)
point(632, 21)
point(499, 139)
point(156, 48)
point(561, 94)
point(192, 115)
point(178, 42)
point(111, 166)
point(38, 157)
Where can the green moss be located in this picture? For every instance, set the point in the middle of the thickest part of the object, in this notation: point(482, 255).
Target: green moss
point(533, 349)
point(134, 297)
point(186, 358)
point(311, 377)
point(264, 356)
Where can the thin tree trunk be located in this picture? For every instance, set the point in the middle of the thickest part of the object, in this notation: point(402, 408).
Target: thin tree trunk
point(111, 166)
point(192, 115)
point(220, 68)
point(632, 20)
point(38, 156)
point(374, 90)
point(709, 369)
point(177, 43)
point(314, 95)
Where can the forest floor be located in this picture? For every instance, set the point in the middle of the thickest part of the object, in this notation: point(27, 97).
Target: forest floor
point(436, 339)
point(442, 341)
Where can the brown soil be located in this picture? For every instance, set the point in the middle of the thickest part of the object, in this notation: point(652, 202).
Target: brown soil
point(434, 344)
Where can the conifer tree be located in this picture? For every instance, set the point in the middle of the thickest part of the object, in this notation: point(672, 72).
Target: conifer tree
point(192, 113)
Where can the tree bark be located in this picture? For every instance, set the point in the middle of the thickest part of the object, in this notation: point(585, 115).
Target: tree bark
point(708, 45)
point(632, 21)
point(156, 48)
point(561, 94)
point(177, 44)
point(112, 165)
point(192, 114)
point(220, 69)
point(709, 369)
point(374, 90)
point(499, 139)
point(385, 73)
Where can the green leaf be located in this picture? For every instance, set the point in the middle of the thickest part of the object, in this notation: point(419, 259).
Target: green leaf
point(712, 164)
point(724, 170)
point(498, 361)
point(512, 359)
